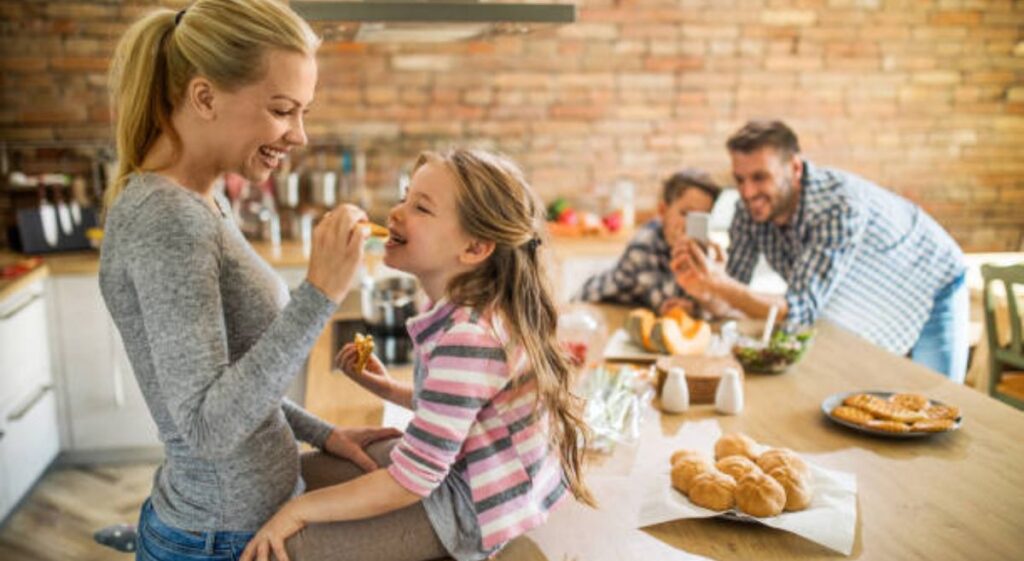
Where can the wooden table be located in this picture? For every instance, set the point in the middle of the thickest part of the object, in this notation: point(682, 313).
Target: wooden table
point(953, 496)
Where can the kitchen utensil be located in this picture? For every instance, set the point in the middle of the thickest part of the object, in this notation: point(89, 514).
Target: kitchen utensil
point(388, 302)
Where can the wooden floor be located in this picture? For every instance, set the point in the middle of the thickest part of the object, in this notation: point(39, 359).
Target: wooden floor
point(58, 518)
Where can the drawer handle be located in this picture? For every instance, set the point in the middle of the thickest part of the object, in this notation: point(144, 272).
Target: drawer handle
point(21, 306)
point(20, 412)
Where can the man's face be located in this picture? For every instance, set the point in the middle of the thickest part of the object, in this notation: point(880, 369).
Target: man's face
point(767, 183)
point(673, 215)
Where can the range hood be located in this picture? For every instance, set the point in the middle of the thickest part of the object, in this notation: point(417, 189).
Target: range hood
point(376, 21)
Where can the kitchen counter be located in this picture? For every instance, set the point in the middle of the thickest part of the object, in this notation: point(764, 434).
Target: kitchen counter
point(291, 254)
point(12, 286)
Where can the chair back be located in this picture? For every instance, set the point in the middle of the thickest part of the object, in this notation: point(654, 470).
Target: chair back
point(1010, 356)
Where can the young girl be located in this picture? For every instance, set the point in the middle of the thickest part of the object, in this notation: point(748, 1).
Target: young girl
point(497, 439)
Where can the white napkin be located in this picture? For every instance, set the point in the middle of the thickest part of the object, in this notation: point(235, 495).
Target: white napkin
point(577, 532)
point(830, 520)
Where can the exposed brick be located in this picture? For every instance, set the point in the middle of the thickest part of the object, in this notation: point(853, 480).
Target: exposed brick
point(80, 64)
point(789, 17)
point(22, 64)
point(923, 97)
point(955, 18)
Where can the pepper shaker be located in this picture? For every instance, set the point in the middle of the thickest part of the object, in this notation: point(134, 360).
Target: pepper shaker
point(675, 395)
point(729, 395)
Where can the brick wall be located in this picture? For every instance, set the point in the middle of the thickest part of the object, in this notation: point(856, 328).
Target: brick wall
point(925, 97)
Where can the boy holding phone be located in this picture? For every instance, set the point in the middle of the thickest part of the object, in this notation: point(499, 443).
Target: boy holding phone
point(643, 275)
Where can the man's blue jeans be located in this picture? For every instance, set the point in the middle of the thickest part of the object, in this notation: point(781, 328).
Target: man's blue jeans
point(942, 345)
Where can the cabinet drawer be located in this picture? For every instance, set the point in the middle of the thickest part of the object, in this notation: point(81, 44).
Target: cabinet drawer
point(29, 443)
point(24, 345)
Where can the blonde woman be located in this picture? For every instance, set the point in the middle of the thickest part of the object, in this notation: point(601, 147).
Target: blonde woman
point(496, 441)
point(213, 335)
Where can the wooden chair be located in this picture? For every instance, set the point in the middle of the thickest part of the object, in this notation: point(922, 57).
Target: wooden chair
point(1006, 362)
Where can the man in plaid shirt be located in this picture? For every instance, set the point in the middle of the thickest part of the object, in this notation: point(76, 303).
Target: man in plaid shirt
point(642, 276)
point(852, 252)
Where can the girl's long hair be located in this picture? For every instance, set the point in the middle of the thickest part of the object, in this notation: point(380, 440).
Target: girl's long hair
point(495, 203)
point(222, 40)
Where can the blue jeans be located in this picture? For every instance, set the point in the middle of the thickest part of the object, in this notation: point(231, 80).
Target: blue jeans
point(160, 542)
point(942, 345)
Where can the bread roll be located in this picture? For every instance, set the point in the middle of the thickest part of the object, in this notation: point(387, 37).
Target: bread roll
point(782, 457)
point(760, 495)
point(735, 444)
point(684, 471)
point(713, 490)
point(798, 488)
point(680, 455)
point(737, 466)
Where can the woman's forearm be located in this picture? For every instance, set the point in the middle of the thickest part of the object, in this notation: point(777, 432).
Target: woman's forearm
point(369, 495)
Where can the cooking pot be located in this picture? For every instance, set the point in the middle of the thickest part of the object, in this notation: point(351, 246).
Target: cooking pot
point(388, 302)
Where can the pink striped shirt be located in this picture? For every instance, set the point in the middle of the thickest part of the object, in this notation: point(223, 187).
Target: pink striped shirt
point(474, 413)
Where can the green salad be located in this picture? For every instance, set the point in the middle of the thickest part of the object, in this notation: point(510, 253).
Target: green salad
point(783, 349)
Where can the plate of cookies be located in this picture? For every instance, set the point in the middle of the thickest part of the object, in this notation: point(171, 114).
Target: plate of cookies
point(891, 414)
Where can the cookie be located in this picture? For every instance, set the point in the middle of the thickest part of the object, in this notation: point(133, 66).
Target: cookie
point(860, 400)
point(912, 401)
point(886, 410)
point(852, 415)
point(888, 426)
point(364, 348)
point(950, 412)
point(934, 425)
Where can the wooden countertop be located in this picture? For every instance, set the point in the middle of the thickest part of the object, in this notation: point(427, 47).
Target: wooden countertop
point(953, 496)
point(9, 287)
point(291, 254)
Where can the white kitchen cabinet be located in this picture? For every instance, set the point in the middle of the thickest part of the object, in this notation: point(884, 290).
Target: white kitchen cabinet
point(573, 271)
point(104, 411)
point(29, 439)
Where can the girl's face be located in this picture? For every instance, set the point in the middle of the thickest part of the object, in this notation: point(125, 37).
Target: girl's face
point(259, 123)
point(426, 238)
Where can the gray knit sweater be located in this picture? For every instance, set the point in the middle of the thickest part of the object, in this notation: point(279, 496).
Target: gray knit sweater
point(214, 341)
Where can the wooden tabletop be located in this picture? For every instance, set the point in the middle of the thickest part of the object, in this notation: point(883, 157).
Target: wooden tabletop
point(951, 496)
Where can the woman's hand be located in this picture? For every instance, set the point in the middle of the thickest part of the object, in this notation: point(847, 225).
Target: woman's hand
point(374, 377)
point(350, 444)
point(337, 251)
point(271, 537)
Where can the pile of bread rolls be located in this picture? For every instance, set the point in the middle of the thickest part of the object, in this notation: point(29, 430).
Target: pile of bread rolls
point(760, 485)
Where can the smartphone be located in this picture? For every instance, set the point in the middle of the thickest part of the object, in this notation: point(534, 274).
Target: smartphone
point(697, 224)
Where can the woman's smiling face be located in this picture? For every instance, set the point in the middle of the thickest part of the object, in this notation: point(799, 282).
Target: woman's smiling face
point(260, 122)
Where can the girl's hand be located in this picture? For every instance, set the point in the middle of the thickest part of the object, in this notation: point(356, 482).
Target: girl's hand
point(374, 377)
point(273, 534)
point(350, 444)
point(337, 251)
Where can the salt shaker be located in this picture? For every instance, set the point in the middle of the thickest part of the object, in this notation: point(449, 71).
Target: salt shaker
point(675, 395)
point(729, 395)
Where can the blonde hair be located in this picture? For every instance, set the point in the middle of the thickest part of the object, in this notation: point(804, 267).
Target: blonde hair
point(495, 203)
point(222, 40)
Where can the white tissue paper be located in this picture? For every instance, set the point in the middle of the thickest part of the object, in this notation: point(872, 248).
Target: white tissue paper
point(830, 520)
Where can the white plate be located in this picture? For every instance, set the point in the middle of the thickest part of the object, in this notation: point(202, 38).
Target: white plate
point(835, 400)
point(621, 348)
